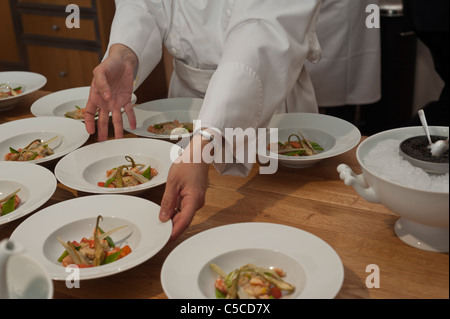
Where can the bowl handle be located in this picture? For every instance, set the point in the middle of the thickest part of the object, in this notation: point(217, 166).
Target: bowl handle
point(357, 182)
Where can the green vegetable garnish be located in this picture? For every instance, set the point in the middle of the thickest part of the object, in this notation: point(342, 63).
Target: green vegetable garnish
point(9, 206)
point(111, 258)
point(147, 173)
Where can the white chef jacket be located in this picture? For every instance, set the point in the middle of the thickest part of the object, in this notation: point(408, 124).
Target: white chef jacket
point(349, 72)
point(244, 57)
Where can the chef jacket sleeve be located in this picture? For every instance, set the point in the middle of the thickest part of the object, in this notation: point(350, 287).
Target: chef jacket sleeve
point(266, 46)
point(134, 25)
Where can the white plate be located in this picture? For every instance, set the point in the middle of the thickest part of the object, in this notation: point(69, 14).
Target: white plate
point(84, 168)
point(17, 134)
point(310, 264)
point(37, 184)
point(164, 110)
point(29, 82)
point(335, 135)
point(58, 103)
point(75, 218)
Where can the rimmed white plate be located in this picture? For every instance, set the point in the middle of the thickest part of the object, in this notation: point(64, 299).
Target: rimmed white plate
point(29, 82)
point(75, 218)
point(17, 134)
point(58, 103)
point(311, 265)
point(334, 135)
point(85, 167)
point(36, 183)
point(164, 110)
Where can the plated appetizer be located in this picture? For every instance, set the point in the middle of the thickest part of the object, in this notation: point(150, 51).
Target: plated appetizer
point(94, 251)
point(166, 128)
point(9, 203)
point(35, 150)
point(251, 282)
point(77, 113)
point(128, 175)
point(7, 91)
point(296, 146)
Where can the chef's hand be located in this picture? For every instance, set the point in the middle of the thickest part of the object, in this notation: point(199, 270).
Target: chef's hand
point(111, 90)
point(185, 189)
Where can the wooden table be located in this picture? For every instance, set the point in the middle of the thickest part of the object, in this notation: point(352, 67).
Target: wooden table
point(312, 199)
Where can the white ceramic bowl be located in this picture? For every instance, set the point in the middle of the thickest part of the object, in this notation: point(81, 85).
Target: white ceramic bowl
point(27, 279)
point(311, 265)
point(58, 103)
point(163, 110)
point(334, 135)
point(70, 135)
point(75, 218)
point(29, 82)
point(424, 213)
point(428, 166)
point(36, 183)
point(84, 168)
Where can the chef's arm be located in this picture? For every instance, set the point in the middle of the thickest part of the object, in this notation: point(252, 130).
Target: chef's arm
point(136, 28)
point(266, 46)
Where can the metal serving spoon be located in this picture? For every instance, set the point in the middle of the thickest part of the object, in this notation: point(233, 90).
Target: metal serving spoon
point(438, 148)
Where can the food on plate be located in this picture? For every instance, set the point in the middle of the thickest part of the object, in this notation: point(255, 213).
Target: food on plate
point(9, 203)
point(94, 251)
point(251, 282)
point(77, 113)
point(33, 151)
point(128, 175)
point(167, 127)
point(296, 146)
point(7, 91)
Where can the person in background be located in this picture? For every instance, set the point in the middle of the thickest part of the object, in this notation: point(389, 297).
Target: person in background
point(430, 22)
point(245, 58)
point(349, 73)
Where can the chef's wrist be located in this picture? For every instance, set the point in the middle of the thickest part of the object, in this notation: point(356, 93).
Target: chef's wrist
point(202, 146)
point(199, 143)
point(125, 53)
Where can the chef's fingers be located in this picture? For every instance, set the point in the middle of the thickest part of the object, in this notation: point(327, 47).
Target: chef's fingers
point(117, 123)
point(183, 219)
point(102, 124)
point(169, 203)
point(129, 111)
point(91, 108)
point(89, 118)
